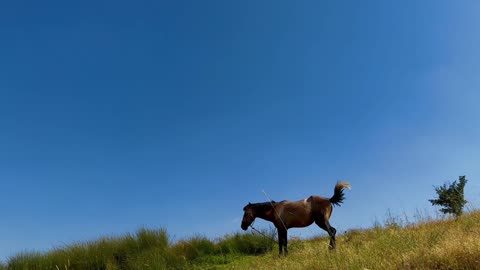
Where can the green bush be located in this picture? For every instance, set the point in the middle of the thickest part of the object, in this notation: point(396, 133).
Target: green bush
point(157, 259)
point(450, 197)
point(249, 244)
point(26, 261)
point(194, 248)
point(148, 239)
point(104, 254)
point(146, 249)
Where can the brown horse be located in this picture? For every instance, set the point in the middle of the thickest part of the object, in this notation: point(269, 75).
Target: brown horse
point(285, 214)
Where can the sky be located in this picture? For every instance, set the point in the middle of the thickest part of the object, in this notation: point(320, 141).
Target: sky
point(117, 115)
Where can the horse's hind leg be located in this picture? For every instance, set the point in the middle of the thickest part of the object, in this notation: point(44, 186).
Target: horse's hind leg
point(332, 233)
point(324, 224)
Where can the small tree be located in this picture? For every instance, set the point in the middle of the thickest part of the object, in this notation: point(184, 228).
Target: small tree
point(450, 197)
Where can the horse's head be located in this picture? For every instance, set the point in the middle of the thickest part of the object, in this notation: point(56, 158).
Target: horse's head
point(248, 216)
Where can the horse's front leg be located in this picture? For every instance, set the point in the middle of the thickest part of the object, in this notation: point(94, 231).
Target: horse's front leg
point(280, 246)
point(282, 242)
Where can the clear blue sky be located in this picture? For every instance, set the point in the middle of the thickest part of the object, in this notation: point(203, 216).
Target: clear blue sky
point(116, 115)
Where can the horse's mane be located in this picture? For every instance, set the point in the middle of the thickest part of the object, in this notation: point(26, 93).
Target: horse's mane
point(263, 206)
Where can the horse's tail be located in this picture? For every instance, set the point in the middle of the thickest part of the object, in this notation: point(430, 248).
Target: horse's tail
point(338, 195)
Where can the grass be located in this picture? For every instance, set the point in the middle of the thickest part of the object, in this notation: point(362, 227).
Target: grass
point(438, 244)
point(147, 249)
point(396, 244)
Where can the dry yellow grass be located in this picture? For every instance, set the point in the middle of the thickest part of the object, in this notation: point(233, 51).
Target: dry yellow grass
point(441, 244)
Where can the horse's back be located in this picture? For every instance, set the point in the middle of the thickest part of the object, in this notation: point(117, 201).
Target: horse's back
point(319, 200)
point(296, 213)
point(321, 206)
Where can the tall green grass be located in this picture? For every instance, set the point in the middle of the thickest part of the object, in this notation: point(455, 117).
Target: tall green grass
point(147, 249)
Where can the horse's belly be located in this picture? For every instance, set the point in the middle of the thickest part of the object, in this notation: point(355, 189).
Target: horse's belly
point(300, 224)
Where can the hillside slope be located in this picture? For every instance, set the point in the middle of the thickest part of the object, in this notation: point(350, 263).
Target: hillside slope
point(440, 244)
point(437, 244)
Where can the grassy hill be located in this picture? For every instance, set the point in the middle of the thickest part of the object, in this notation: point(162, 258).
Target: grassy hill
point(436, 244)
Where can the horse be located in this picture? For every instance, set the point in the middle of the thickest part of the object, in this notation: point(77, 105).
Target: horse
point(296, 214)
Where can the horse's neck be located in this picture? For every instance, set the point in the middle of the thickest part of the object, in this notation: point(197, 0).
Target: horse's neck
point(268, 215)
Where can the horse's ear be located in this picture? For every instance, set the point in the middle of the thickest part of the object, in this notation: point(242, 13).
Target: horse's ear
point(249, 203)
